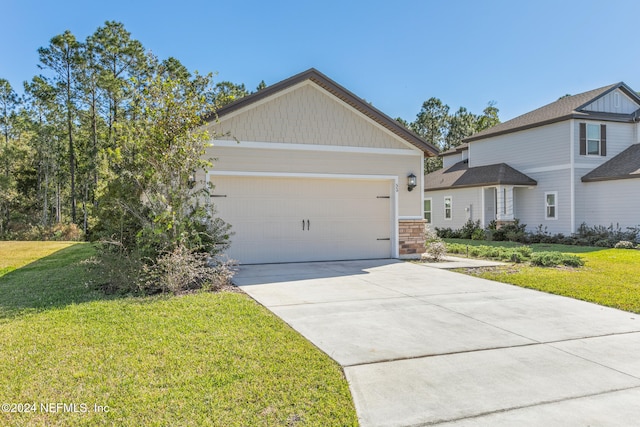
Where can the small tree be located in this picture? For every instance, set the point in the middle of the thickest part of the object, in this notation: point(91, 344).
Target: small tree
point(154, 207)
point(435, 247)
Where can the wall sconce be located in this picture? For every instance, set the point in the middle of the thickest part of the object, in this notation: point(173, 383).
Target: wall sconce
point(191, 181)
point(411, 182)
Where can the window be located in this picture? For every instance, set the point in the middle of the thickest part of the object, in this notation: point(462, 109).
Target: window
point(593, 140)
point(448, 211)
point(551, 205)
point(427, 210)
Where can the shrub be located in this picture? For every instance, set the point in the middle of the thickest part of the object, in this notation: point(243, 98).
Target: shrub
point(433, 244)
point(552, 259)
point(518, 254)
point(436, 250)
point(469, 228)
point(478, 235)
point(624, 244)
point(447, 233)
point(514, 232)
point(183, 270)
point(118, 269)
point(600, 235)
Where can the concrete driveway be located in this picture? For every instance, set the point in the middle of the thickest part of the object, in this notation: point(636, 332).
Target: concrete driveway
point(424, 346)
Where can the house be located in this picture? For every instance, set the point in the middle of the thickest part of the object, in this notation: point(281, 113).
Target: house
point(305, 170)
point(574, 161)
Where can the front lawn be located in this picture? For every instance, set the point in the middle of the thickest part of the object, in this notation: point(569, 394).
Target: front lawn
point(609, 277)
point(201, 359)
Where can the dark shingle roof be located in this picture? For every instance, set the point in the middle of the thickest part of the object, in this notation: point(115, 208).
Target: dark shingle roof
point(461, 175)
point(340, 92)
point(454, 150)
point(623, 166)
point(562, 109)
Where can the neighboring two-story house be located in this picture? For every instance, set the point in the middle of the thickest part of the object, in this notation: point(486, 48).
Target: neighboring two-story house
point(574, 161)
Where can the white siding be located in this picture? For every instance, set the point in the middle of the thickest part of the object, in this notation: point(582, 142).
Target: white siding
point(543, 146)
point(619, 137)
point(452, 159)
point(466, 205)
point(609, 202)
point(614, 102)
point(530, 203)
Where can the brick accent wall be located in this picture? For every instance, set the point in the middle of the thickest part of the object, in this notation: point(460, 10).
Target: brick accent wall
point(411, 237)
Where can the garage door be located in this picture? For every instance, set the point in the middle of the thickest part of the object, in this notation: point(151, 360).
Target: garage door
point(305, 219)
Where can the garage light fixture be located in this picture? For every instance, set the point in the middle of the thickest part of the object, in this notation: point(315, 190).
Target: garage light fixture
point(411, 182)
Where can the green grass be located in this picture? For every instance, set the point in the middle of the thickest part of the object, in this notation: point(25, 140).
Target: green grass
point(536, 247)
point(201, 359)
point(610, 276)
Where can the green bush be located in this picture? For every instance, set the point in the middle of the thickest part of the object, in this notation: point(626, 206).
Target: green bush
point(478, 235)
point(518, 254)
point(469, 228)
point(552, 259)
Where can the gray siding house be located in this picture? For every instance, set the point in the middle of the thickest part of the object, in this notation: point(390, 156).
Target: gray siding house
point(574, 161)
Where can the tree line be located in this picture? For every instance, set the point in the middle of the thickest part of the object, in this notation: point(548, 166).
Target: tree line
point(445, 130)
point(67, 141)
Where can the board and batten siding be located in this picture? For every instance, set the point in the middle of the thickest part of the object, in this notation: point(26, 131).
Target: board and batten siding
point(614, 102)
point(306, 114)
point(531, 148)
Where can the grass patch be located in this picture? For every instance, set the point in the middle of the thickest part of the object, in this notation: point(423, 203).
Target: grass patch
point(17, 254)
point(201, 359)
point(535, 247)
point(610, 277)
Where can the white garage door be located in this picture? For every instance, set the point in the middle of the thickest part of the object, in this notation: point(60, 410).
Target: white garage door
point(305, 219)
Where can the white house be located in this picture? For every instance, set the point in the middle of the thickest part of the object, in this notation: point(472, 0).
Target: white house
point(574, 161)
point(305, 170)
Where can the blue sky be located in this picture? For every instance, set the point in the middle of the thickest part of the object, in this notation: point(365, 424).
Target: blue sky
point(395, 53)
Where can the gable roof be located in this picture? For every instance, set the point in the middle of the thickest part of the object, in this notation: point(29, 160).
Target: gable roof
point(461, 175)
point(338, 91)
point(623, 166)
point(564, 108)
point(456, 149)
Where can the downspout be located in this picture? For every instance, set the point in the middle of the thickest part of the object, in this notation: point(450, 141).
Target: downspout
point(572, 170)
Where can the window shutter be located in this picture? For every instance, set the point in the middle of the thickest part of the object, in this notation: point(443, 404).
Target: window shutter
point(603, 140)
point(583, 139)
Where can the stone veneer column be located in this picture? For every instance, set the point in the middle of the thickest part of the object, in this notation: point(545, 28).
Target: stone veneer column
point(411, 237)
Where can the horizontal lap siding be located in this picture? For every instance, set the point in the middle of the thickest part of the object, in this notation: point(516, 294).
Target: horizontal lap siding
point(532, 148)
point(619, 137)
point(530, 202)
point(462, 199)
point(610, 203)
point(318, 162)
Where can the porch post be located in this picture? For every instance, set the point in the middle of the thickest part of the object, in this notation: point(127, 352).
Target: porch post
point(504, 194)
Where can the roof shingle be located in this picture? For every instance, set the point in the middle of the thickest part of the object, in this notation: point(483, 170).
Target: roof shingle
point(562, 109)
point(623, 166)
point(461, 175)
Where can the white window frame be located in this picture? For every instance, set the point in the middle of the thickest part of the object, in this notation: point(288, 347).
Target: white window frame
point(547, 206)
point(450, 208)
point(597, 141)
point(430, 219)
